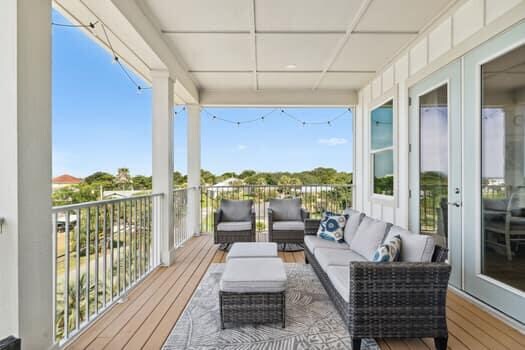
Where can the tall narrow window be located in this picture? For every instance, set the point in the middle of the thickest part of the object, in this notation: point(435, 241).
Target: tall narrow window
point(382, 148)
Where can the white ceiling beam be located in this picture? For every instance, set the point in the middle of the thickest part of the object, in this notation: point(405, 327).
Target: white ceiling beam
point(342, 42)
point(290, 32)
point(153, 37)
point(278, 98)
point(253, 40)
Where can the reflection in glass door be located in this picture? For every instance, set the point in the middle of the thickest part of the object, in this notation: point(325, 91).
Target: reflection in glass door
point(503, 168)
point(433, 160)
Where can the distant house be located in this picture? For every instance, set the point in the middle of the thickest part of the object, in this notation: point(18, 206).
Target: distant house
point(223, 186)
point(65, 180)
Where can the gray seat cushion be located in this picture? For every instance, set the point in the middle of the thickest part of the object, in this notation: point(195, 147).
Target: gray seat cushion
point(266, 275)
point(340, 278)
point(286, 209)
point(253, 250)
point(339, 257)
point(414, 247)
point(354, 219)
point(288, 226)
point(314, 242)
point(369, 236)
point(236, 210)
point(235, 226)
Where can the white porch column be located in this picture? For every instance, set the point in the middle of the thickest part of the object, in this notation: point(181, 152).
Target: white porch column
point(162, 103)
point(26, 277)
point(194, 168)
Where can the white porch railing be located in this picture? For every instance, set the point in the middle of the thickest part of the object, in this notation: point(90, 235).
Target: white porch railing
point(180, 216)
point(101, 250)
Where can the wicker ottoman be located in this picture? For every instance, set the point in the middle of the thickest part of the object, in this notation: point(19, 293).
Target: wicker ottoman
point(253, 250)
point(253, 290)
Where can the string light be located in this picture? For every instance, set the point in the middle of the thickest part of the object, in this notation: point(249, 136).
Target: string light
point(282, 112)
point(116, 59)
point(90, 25)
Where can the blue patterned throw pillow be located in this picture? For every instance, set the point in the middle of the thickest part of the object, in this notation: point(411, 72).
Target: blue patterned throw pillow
point(389, 251)
point(332, 227)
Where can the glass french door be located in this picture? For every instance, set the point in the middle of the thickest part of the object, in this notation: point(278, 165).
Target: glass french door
point(494, 192)
point(435, 161)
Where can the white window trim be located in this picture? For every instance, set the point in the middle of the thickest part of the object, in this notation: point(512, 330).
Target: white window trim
point(382, 199)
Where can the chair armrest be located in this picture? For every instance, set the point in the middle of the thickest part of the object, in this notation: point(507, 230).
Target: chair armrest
point(304, 214)
point(400, 284)
point(217, 216)
point(311, 226)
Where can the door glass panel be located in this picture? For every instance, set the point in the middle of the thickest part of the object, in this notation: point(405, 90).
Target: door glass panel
point(503, 168)
point(433, 176)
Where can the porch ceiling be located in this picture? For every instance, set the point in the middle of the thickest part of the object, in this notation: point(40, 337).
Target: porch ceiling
point(265, 46)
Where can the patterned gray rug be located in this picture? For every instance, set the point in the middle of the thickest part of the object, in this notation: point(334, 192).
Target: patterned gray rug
point(312, 322)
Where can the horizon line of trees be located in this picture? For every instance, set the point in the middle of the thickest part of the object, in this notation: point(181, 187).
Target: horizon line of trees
point(92, 186)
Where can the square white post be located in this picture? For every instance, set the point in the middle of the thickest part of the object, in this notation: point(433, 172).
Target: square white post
point(194, 168)
point(26, 256)
point(162, 103)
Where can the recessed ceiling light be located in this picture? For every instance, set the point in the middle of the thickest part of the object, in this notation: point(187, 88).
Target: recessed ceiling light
point(291, 66)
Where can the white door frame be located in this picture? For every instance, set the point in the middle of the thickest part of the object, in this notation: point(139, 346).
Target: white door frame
point(449, 75)
point(505, 298)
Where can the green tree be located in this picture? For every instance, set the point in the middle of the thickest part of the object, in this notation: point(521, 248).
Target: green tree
point(247, 173)
point(207, 177)
point(101, 178)
point(141, 182)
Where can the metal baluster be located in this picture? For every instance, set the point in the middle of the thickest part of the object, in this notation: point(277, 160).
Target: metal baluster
point(66, 276)
point(55, 277)
point(118, 247)
point(136, 241)
point(77, 289)
point(112, 233)
point(88, 268)
point(104, 262)
point(97, 214)
point(124, 217)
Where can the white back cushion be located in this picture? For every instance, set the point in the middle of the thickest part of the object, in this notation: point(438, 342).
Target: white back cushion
point(369, 236)
point(414, 247)
point(354, 219)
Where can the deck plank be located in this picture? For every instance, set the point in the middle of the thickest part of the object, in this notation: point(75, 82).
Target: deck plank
point(135, 296)
point(145, 320)
point(153, 308)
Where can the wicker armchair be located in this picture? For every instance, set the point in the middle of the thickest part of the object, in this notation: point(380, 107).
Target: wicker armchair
point(391, 300)
point(234, 222)
point(286, 221)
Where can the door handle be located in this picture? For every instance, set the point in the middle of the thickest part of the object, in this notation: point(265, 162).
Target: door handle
point(456, 204)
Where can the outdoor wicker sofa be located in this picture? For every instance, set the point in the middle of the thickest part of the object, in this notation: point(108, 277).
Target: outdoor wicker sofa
point(405, 299)
point(234, 221)
point(286, 221)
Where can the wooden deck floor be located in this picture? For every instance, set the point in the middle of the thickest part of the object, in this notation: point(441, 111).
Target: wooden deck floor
point(153, 307)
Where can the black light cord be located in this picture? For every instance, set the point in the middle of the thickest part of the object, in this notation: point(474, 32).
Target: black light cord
point(283, 112)
point(116, 59)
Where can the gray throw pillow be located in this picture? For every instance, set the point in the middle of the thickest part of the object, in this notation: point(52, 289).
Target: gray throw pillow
point(416, 247)
point(352, 223)
point(369, 236)
point(236, 210)
point(286, 209)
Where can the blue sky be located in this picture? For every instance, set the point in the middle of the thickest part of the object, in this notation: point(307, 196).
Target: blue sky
point(101, 123)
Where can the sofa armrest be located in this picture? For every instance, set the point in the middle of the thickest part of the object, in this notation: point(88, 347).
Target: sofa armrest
point(311, 226)
point(402, 285)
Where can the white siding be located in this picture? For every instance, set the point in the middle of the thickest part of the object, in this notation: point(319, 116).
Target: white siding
point(441, 43)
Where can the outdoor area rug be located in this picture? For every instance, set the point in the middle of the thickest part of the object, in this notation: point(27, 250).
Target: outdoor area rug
point(312, 322)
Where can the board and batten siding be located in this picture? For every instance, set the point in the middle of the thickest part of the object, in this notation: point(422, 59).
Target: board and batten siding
point(462, 27)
